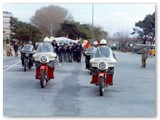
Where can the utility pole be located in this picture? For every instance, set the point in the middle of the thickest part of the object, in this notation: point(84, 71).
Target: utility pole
point(110, 28)
point(92, 23)
point(51, 29)
point(118, 27)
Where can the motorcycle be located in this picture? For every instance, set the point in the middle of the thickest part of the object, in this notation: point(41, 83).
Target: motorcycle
point(88, 55)
point(103, 63)
point(44, 62)
point(27, 59)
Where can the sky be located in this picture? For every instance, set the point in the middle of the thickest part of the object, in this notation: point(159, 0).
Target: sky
point(111, 17)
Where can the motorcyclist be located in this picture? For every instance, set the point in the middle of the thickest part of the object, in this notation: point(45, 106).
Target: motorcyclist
point(46, 39)
point(101, 47)
point(23, 48)
point(103, 42)
point(30, 43)
point(88, 57)
point(95, 43)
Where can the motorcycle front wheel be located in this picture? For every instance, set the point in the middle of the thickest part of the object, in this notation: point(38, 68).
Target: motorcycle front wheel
point(101, 86)
point(42, 78)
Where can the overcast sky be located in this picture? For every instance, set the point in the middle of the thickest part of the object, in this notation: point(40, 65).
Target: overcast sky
point(111, 17)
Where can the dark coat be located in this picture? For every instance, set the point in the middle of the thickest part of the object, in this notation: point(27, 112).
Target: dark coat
point(60, 49)
point(55, 46)
point(15, 48)
point(79, 48)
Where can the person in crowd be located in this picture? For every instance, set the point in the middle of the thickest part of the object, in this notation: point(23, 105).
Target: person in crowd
point(55, 46)
point(74, 52)
point(60, 52)
point(69, 52)
point(79, 50)
point(64, 52)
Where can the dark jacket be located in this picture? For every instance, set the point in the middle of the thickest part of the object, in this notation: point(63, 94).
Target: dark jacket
point(60, 49)
point(79, 48)
point(16, 48)
point(55, 46)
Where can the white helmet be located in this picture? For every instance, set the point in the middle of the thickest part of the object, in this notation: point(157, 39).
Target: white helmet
point(46, 39)
point(103, 42)
point(30, 42)
point(95, 43)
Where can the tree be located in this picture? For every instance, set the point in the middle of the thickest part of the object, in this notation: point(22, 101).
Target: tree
point(76, 30)
point(145, 28)
point(71, 29)
point(122, 38)
point(48, 19)
point(23, 31)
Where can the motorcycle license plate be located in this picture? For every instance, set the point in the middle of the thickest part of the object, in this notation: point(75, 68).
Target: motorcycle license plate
point(101, 75)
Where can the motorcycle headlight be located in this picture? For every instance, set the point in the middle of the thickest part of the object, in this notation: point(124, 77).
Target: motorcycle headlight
point(26, 54)
point(102, 65)
point(43, 59)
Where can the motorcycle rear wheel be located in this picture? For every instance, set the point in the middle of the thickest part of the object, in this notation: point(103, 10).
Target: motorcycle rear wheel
point(30, 67)
point(101, 86)
point(25, 66)
point(42, 78)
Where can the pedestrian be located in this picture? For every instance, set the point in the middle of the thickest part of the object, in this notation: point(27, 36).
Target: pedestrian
point(144, 56)
point(133, 49)
point(16, 49)
point(55, 46)
point(65, 52)
point(60, 52)
point(69, 53)
point(79, 50)
point(11, 49)
point(74, 52)
point(8, 50)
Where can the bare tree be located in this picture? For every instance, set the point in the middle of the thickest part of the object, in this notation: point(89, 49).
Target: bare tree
point(123, 38)
point(48, 19)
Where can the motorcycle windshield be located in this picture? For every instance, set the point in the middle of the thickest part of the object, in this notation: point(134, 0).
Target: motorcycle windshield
point(27, 48)
point(45, 47)
point(90, 50)
point(103, 51)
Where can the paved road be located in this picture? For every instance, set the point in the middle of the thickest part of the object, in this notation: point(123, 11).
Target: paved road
point(71, 94)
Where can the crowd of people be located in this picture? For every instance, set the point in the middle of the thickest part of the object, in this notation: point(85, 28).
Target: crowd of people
point(68, 52)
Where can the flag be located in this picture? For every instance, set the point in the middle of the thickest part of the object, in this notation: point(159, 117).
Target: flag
point(84, 43)
point(87, 44)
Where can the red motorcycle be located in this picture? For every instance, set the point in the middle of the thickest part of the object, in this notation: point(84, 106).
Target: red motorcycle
point(102, 69)
point(44, 62)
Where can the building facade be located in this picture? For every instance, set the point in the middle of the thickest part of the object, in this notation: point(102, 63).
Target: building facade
point(6, 25)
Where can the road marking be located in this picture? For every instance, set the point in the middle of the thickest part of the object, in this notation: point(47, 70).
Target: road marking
point(12, 66)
